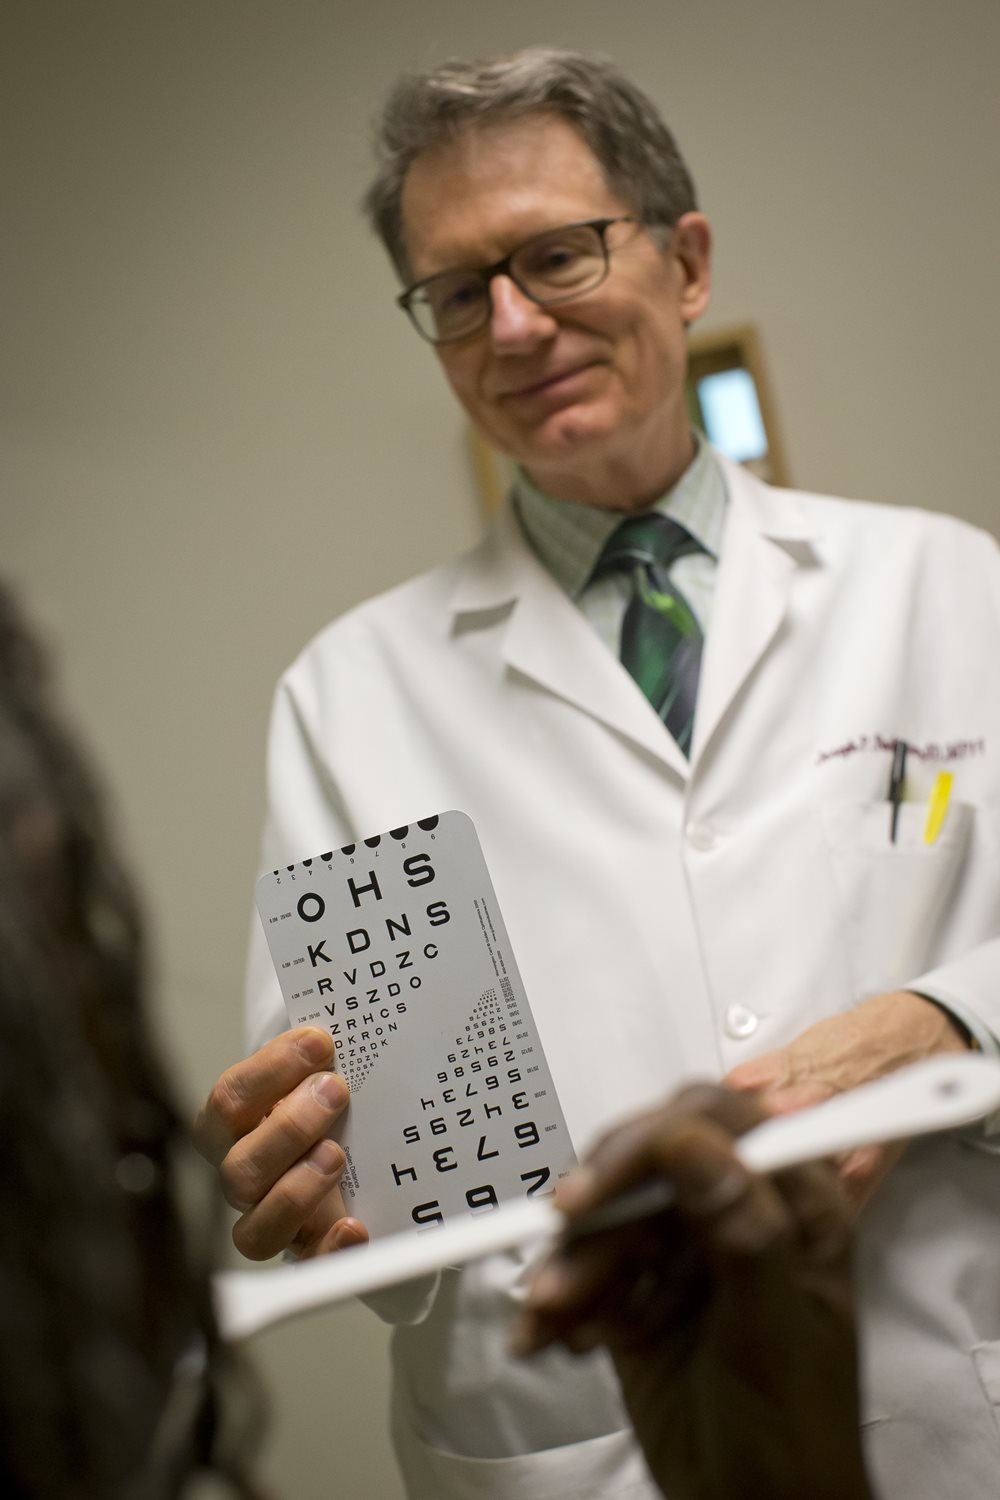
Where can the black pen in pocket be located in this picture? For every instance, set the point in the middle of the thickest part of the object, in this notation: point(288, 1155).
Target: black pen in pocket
point(895, 794)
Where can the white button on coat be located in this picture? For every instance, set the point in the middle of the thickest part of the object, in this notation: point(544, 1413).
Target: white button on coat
point(701, 836)
point(741, 1022)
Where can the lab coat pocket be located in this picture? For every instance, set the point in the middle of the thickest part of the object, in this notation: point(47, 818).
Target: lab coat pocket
point(603, 1468)
point(896, 897)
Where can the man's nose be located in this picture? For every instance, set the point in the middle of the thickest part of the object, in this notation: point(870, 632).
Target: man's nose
point(516, 323)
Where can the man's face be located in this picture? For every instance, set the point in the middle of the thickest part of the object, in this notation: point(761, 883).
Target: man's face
point(588, 395)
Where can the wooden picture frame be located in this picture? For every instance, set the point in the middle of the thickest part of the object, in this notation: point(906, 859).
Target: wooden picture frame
point(736, 348)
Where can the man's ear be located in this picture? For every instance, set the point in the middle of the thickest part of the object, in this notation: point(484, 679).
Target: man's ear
point(692, 246)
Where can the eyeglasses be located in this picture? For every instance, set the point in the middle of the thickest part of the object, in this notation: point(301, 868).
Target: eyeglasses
point(552, 267)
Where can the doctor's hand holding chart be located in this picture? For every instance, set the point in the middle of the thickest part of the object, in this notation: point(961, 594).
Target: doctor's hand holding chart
point(266, 1126)
point(396, 947)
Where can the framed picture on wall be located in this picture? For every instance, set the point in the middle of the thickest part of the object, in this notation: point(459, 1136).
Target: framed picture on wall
point(729, 401)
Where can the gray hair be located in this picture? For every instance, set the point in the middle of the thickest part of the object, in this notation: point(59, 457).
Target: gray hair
point(622, 127)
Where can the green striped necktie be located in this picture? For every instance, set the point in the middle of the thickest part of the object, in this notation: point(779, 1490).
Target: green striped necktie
point(661, 638)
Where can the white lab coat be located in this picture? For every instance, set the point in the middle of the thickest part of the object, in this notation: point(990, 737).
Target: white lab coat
point(670, 922)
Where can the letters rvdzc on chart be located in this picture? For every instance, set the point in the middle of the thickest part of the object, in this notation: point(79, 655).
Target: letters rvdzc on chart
point(397, 947)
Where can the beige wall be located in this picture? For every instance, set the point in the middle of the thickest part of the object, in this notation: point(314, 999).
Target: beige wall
point(216, 431)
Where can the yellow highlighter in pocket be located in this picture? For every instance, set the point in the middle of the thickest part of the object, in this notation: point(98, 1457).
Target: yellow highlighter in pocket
point(938, 805)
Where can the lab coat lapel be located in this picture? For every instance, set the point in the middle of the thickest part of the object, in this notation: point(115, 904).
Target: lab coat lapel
point(767, 542)
point(548, 640)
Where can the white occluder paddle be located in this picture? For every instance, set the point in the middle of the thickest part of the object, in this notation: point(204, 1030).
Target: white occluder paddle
point(941, 1094)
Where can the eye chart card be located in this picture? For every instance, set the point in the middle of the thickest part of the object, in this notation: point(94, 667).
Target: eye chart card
point(397, 947)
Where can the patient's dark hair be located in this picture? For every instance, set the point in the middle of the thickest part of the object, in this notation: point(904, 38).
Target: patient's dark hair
point(113, 1382)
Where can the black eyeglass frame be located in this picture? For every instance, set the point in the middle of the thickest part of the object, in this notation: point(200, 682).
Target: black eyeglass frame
point(503, 267)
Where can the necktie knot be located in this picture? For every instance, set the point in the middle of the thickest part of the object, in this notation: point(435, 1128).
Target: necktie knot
point(651, 540)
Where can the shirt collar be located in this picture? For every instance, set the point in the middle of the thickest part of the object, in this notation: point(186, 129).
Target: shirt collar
point(568, 537)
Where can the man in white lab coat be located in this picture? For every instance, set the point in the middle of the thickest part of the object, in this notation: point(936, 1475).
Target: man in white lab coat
point(756, 896)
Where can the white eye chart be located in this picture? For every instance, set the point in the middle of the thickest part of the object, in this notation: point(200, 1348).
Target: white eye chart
point(396, 946)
